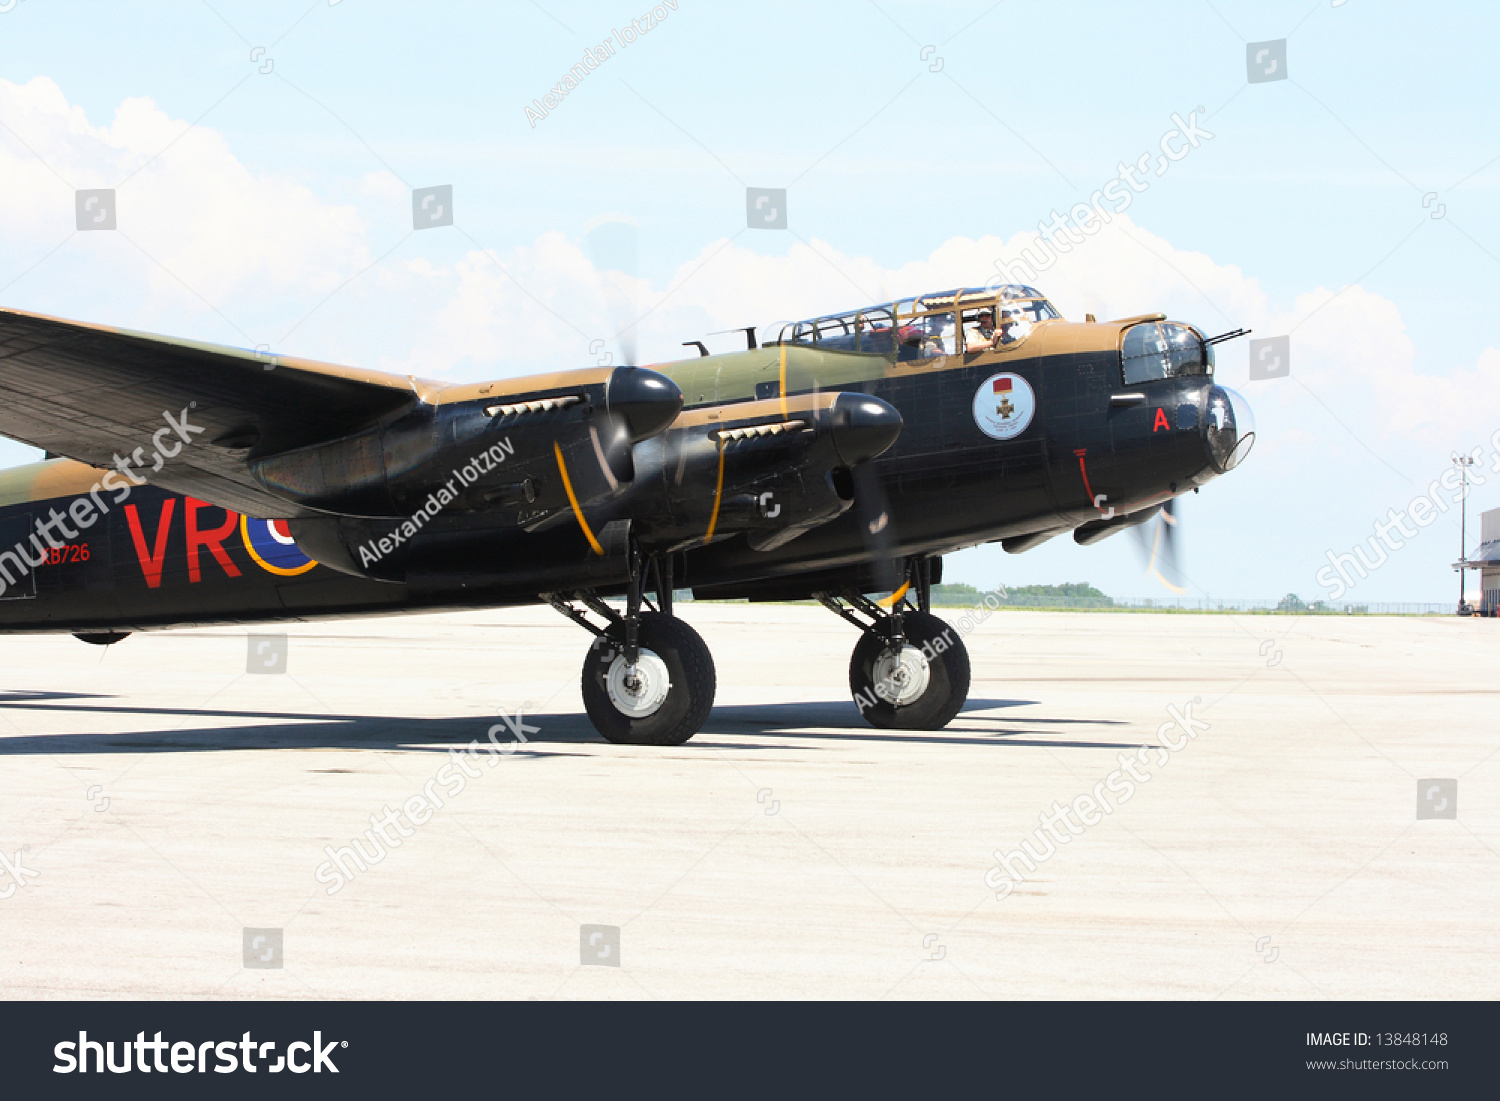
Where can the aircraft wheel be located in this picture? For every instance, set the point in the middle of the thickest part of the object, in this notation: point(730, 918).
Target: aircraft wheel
point(665, 698)
point(101, 638)
point(920, 688)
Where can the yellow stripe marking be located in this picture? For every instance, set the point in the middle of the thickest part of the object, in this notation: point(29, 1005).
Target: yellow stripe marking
point(895, 598)
point(713, 520)
point(562, 468)
point(261, 562)
point(782, 385)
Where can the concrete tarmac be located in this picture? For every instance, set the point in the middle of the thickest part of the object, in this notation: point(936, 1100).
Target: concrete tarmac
point(164, 800)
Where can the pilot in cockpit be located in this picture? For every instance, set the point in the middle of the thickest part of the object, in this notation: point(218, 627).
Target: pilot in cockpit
point(982, 336)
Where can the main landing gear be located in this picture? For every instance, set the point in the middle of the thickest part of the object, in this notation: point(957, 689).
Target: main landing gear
point(909, 670)
point(648, 678)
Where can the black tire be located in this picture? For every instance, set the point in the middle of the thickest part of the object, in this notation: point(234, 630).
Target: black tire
point(101, 638)
point(689, 700)
point(947, 686)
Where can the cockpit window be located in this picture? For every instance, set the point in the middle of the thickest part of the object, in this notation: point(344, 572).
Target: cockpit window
point(1163, 350)
point(987, 328)
point(1025, 303)
point(1017, 290)
point(922, 327)
point(1034, 310)
point(861, 331)
point(926, 337)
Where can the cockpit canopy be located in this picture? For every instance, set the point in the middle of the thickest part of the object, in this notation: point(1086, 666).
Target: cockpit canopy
point(926, 325)
point(1164, 349)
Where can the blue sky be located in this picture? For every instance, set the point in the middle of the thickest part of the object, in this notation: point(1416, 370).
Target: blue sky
point(918, 142)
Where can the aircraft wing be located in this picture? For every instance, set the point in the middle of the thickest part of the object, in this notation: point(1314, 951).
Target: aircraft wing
point(93, 393)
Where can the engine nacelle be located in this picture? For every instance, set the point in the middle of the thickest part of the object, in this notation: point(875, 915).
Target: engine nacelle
point(483, 454)
point(769, 470)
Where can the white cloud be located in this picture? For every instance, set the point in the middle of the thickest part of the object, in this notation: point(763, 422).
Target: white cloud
point(182, 197)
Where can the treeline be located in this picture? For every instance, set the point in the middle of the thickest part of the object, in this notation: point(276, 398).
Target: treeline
point(1079, 594)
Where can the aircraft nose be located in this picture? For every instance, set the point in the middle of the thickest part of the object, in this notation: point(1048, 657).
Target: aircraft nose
point(1230, 428)
point(647, 400)
point(863, 427)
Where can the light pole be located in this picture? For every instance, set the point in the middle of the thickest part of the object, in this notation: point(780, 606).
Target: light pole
point(1463, 462)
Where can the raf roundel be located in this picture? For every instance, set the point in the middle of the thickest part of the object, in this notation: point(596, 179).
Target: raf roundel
point(1003, 406)
point(271, 545)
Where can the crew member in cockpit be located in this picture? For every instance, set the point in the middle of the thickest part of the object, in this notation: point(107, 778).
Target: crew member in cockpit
point(982, 336)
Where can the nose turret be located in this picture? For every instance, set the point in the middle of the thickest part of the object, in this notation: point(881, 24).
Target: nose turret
point(1230, 431)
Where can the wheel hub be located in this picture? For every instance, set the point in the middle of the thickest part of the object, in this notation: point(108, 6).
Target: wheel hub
point(905, 675)
point(638, 690)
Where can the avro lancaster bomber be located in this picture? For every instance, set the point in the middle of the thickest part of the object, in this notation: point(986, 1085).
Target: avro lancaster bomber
point(188, 483)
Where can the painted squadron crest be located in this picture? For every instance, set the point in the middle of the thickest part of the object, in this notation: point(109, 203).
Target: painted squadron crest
point(1003, 406)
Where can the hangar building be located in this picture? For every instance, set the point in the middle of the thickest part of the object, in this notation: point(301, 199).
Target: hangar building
point(1486, 559)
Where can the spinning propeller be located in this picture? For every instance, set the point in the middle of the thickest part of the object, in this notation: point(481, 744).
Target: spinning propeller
point(1157, 539)
point(872, 511)
point(613, 245)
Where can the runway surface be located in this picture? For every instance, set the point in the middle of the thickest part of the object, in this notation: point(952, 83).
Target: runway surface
point(164, 801)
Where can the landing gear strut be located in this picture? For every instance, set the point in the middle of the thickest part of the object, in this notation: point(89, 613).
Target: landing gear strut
point(648, 678)
point(910, 670)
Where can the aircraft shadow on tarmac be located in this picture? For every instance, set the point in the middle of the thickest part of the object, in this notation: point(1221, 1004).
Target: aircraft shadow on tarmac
point(817, 720)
